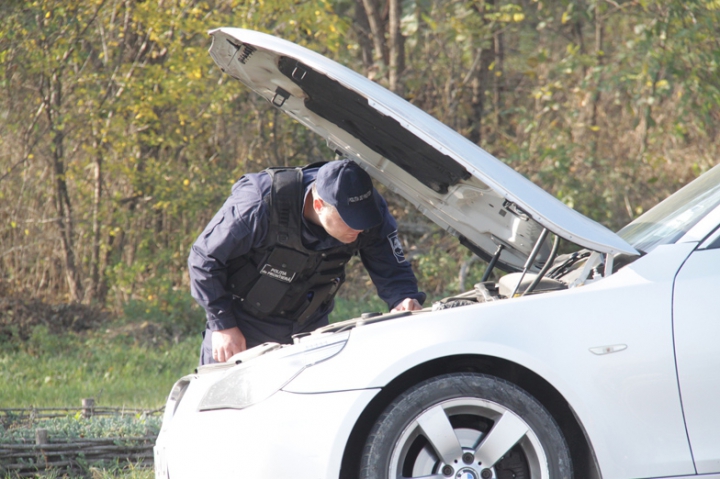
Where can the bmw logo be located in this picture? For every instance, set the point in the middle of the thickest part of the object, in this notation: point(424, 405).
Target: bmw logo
point(466, 473)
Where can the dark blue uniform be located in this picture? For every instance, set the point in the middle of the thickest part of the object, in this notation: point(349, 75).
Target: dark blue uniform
point(242, 224)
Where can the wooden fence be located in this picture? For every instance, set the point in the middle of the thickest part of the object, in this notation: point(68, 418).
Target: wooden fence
point(88, 409)
point(73, 456)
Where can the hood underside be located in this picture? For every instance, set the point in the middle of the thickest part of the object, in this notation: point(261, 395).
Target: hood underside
point(458, 185)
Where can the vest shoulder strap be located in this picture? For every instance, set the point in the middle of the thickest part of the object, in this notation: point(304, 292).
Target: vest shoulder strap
point(285, 202)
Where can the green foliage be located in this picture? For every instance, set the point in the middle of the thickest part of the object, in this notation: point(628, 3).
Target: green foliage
point(348, 308)
point(440, 267)
point(174, 312)
point(121, 137)
point(74, 427)
point(619, 87)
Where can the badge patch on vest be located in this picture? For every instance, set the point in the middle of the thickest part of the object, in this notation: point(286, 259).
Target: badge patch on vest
point(277, 273)
point(396, 247)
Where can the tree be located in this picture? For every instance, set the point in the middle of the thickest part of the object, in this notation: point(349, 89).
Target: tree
point(121, 137)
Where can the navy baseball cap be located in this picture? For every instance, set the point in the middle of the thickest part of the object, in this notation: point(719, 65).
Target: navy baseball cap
point(349, 189)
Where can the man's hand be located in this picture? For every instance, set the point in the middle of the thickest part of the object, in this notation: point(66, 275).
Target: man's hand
point(226, 343)
point(407, 304)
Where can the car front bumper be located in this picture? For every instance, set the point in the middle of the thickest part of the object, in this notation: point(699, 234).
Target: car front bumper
point(288, 435)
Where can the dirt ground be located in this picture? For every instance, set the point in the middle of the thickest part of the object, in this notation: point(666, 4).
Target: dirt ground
point(19, 314)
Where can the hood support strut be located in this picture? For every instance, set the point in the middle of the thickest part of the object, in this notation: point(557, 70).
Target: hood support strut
point(545, 268)
point(491, 264)
point(531, 258)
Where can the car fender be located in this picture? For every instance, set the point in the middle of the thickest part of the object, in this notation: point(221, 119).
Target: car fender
point(605, 347)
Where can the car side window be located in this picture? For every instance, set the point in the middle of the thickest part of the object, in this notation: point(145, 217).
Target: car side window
point(712, 241)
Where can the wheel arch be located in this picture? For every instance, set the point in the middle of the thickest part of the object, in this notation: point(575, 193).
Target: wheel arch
point(583, 457)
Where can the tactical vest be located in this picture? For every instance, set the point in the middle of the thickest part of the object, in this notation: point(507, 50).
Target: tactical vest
point(284, 278)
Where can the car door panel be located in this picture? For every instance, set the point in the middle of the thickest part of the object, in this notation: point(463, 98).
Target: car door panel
point(696, 324)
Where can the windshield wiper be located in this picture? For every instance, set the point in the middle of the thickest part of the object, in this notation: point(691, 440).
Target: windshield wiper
point(566, 265)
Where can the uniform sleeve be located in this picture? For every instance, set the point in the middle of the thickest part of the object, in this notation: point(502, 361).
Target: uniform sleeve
point(383, 257)
point(234, 230)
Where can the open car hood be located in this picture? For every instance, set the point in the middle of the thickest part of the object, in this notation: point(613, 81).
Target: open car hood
point(458, 185)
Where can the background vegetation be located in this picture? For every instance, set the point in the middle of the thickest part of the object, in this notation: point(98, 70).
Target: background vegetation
point(120, 138)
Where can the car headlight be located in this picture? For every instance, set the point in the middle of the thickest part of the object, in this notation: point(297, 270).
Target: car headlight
point(176, 395)
point(251, 383)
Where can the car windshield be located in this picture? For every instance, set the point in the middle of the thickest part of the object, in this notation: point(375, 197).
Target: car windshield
point(672, 218)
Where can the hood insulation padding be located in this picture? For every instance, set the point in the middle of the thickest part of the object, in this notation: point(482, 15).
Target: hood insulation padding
point(382, 134)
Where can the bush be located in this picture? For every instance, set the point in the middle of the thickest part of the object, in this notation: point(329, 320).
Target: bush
point(19, 317)
point(76, 426)
point(171, 314)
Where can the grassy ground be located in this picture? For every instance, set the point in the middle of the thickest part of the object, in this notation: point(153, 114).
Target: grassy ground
point(126, 363)
point(120, 472)
point(129, 471)
point(120, 366)
point(53, 371)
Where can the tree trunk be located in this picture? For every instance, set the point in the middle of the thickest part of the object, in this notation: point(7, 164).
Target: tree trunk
point(499, 76)
point(62, 199)
point(364, 34)
point(377, 29)
point(94, 288)
point(599, 58)
point(397, 47)
point(480, 80)
point(478, 85)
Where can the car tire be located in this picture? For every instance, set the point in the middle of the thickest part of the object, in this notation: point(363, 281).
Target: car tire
point(465, 426)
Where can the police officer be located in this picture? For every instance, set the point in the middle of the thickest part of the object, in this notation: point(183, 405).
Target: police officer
point(270, 262)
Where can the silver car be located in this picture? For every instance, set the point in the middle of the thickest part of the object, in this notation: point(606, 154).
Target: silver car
point(602, 363)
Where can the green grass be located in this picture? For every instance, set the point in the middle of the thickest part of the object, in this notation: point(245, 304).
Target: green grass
point(129, 471)
point(116, 367)
point(111, 366)
point(116, 370)
point(119, 471)
point(133, 364)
